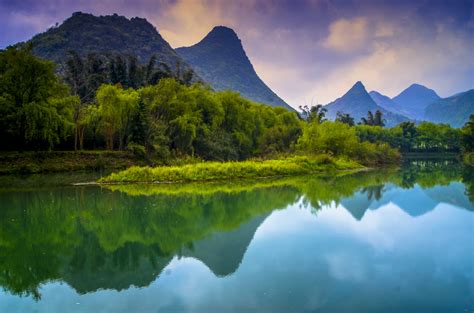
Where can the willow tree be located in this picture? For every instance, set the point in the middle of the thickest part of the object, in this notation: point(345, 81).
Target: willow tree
point(116, 109)
point(35, 108)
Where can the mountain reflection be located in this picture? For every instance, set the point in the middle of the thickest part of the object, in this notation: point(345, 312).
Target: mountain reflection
point(120, 236)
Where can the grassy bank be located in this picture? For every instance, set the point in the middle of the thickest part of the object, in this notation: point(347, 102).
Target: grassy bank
point(64, 161)
point(207, 171)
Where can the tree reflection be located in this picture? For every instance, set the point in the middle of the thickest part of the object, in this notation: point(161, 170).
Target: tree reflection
point(112, 238)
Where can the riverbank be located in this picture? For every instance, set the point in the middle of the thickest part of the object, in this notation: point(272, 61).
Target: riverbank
point(208, 171)
point(65, 161)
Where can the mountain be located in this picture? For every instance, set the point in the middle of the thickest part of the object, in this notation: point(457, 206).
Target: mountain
point(454, 110)
point(357, 102)
point(221, 61)
point(86, 33)
point(415, 99)
point(387, 103)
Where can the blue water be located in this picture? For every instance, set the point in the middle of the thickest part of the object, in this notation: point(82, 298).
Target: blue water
point(375, 245)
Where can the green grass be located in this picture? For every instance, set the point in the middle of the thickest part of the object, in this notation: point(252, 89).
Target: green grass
point(208, 171)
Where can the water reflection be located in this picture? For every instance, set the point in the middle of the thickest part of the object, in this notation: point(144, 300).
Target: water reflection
point(395, 239)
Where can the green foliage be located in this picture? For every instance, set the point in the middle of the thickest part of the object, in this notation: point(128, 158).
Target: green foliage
point(172, 119)
point(468, 135)
point(316, 113)
point(35, 109)
point(329, 137)
point(193, 120)
point(437, 137)
point(116, 106)
point(137, 150)
point(230, 170)
point(337, 138)
point(407, 137)
point(345, 118)
point(373, 119)
point(108, 37)
point(468, 158)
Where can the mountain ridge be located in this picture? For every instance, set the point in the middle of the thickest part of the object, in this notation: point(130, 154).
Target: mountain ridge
point(454, 110)
point(419, 106)
point(86, 33)
point(387, 103)
point(357, 102)
point(414, 100)
point(220, 59)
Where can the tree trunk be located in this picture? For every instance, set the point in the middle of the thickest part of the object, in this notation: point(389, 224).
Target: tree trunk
point(81, 137)
point(75, 137)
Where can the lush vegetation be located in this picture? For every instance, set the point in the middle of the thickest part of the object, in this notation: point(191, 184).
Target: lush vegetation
point(226, 170)
point(425, 137)
point(157, 115)
point(169, 118)
point(35, 108)
point(337, 138)
point(110, 34)
point(468, 141)
point(409, 137)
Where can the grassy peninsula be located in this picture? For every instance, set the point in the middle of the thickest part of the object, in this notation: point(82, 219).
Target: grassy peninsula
point(205, 171)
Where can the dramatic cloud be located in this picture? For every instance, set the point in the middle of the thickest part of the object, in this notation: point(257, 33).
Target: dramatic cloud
point(347, 35)
point(305, 49)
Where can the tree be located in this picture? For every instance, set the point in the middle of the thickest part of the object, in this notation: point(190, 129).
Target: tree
point(316, 113)
point(345, 118)
point(378, 120)
point(183, 133)
point(409, 134)
point(116, 107)
point(468, 135)
point(373, 120)
point(437, 137)
point(35, 108)
point(329, 137)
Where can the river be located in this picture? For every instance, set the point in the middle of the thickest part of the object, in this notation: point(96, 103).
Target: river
point(391, 240)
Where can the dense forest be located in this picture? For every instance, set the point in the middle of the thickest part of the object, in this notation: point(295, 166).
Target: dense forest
point(113, 102)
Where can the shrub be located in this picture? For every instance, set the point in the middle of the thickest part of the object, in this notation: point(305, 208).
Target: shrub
point(137, 150)
point(341, 140)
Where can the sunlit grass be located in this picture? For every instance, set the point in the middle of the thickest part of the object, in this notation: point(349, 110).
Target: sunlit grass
point(205, 171)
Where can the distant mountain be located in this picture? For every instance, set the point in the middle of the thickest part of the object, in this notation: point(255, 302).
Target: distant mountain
point(454, 110)
point(221, 61)
point(86, 33)
point(414, 100)
point(357, 102)
point(387, 103)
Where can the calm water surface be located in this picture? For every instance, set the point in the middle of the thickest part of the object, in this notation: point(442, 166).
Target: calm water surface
point(379, 241)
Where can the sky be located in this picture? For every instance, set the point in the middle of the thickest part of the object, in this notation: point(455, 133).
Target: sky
point(307, 51)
